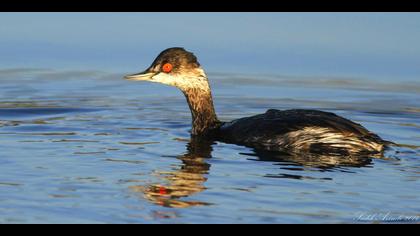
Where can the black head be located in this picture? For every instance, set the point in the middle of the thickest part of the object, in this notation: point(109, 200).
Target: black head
point(179, 58)
point(174, 66)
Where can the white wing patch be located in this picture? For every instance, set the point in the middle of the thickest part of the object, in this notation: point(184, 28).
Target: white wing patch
point(301, 140)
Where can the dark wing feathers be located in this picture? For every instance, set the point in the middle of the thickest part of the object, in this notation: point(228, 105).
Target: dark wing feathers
point(276, 122)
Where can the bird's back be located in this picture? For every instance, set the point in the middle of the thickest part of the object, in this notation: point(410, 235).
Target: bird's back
point(302, 131)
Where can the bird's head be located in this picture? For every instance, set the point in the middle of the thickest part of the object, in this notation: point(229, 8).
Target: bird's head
point(176, 67)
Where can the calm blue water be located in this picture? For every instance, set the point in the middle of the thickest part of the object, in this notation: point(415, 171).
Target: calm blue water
point(80, 145)
point(91, 147)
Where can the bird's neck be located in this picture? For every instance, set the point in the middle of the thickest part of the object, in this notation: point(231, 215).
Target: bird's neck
point(200, 101)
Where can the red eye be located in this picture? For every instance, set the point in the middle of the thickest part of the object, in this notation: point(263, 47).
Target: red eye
point(167, 67)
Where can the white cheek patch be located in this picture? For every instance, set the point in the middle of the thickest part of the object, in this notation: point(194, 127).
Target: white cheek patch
point(164, 78)
point(185, 81)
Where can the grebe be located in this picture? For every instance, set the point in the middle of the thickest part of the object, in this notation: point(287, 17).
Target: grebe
point(294, 131)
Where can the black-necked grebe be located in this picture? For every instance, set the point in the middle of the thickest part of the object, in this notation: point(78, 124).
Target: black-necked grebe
point(296, 131)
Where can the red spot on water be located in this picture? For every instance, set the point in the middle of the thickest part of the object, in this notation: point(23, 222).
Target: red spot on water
point(162, 190)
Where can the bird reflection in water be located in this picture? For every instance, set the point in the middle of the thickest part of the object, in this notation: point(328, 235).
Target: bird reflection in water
point(319, 161)
point(189, 179)
point(185, 181)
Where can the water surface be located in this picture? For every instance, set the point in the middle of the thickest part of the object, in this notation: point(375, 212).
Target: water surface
point(89, 147)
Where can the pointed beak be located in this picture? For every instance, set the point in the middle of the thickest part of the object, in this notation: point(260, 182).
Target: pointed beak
point(142, 76)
